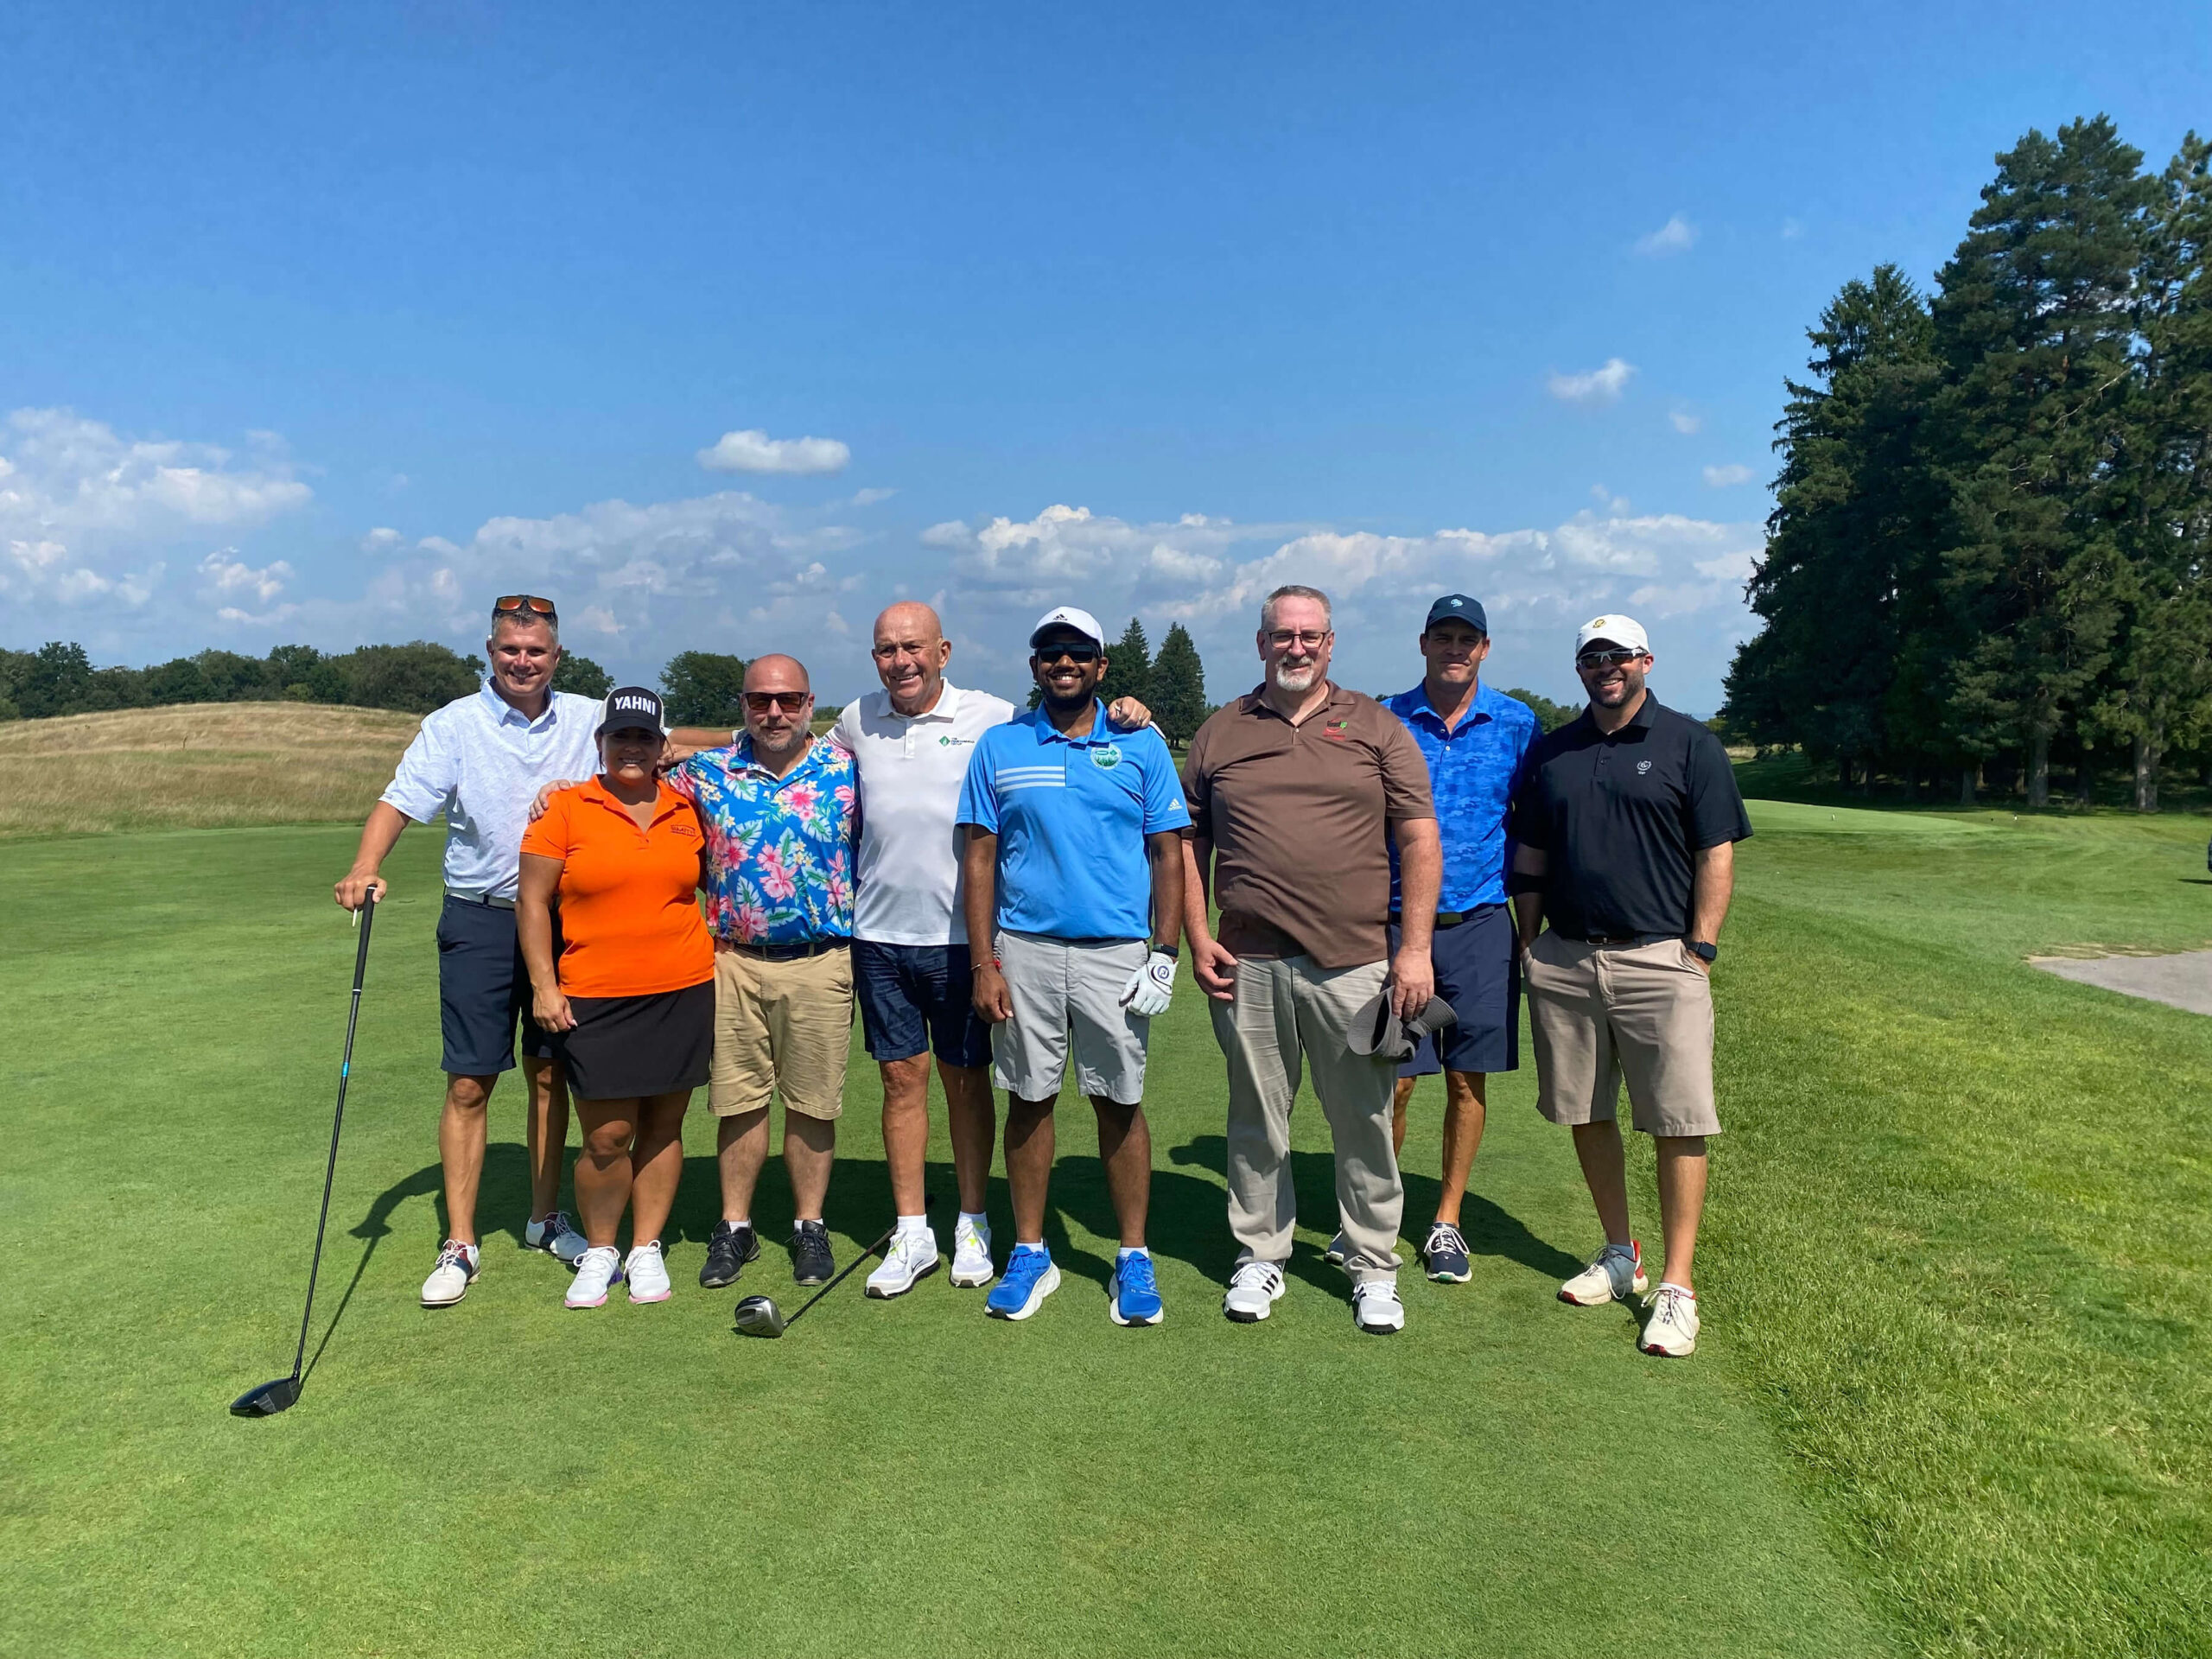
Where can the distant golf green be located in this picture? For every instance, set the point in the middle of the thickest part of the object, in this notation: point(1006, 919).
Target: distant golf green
point(1953, 1396)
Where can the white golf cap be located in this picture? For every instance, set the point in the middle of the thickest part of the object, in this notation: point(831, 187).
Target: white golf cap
point(1066, 616)
point(1623, 630)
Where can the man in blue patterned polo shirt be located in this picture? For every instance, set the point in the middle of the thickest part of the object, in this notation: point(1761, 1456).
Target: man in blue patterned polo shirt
point(778, 807)
point(1475, 739)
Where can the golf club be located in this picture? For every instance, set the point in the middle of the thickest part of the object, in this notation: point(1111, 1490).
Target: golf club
point(277, 1396)
point(759, 1316)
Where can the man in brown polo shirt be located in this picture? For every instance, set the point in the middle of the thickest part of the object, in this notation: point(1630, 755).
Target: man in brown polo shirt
point(1298, 790)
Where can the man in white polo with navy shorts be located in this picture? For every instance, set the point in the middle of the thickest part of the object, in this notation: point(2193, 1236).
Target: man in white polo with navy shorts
point(481, 760)
point(1074, 873)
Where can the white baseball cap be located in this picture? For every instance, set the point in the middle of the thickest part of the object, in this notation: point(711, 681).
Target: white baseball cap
point(1623, 631)
point(1067, 616)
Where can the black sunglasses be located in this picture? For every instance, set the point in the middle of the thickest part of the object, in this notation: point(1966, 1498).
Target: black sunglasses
point(1602, 658)
point(1077, 654)
point(524, 605)
point(789, 702)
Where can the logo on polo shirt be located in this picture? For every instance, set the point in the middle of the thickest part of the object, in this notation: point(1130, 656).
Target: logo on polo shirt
point(1338, 729)
point(1106, 757)
point(1644, 766)
point(950, 742)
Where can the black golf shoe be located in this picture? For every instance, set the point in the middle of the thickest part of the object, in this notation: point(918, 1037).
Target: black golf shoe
point(810, 1260)
point(732, 1245)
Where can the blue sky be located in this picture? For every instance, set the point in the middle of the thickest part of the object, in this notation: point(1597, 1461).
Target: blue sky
point(327, 327)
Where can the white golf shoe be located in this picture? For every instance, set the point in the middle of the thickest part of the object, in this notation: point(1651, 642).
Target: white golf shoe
point(596, 1269)
point(971, 1256)
point(555, 1236)
point(1671, 1329)
point(647, 1273)
point(1376, 1308)
point(912, 1256)
point(1614, 1274)
point(458, 1266)
point(1254, 1290)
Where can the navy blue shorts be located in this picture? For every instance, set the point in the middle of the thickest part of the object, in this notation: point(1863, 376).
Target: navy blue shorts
point(483, 985)
point(1479, 973)
point(917, 997)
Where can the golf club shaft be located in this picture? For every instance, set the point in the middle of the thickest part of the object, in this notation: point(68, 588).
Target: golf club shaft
point(345, 1073)
point(863, 1257)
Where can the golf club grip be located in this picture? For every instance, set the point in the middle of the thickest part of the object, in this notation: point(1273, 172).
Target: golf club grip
point(337, 1119)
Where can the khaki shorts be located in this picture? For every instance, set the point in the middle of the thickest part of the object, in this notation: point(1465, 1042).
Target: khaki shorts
point(1602, 1012)
point(1069, 995)
point(781, 1028)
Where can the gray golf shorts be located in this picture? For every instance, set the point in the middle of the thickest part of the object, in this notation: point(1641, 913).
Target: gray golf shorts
point(1068, 993)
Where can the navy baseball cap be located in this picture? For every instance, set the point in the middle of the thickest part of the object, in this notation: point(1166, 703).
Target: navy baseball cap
point(1458, 607)
point(630, 708)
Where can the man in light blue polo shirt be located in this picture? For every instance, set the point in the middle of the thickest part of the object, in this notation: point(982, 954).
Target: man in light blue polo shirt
point(481, 760)
point(1475, 739)
point(1073, 861)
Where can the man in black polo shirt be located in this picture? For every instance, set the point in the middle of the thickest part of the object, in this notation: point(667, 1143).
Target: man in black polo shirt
point(1626, 830)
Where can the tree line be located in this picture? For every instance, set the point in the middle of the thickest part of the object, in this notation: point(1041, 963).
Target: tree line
point(1987, 553)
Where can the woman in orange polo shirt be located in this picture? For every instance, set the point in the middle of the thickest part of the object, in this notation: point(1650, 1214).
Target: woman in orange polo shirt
point(630, 1001)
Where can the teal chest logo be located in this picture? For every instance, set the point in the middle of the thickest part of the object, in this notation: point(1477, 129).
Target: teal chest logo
point(1106, 757)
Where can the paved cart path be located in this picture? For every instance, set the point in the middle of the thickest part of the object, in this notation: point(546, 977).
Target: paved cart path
point(2182, 981)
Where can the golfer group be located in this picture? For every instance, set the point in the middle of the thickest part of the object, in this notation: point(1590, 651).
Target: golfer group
point(1366, 890)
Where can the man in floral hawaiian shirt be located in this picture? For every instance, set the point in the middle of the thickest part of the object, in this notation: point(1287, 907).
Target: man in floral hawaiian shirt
point(778, 806)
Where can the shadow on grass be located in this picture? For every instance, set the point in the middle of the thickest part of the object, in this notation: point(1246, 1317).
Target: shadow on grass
point(1188, 1219)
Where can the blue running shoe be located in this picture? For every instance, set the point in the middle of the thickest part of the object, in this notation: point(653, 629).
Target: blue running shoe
point(1030, 1278)
point(1134, 1296)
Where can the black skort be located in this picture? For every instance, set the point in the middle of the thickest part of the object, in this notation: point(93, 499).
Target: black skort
point(624, 1047)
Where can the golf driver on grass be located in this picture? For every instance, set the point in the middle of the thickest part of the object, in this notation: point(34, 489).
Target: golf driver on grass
point(759, 1316)
point(275, 1397)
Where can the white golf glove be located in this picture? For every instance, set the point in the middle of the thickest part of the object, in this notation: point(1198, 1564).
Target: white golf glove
point(1149, 988)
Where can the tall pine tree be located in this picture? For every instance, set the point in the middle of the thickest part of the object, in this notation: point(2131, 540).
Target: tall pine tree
point(1179, 686)
point(1128, 666)
point(2033, 324)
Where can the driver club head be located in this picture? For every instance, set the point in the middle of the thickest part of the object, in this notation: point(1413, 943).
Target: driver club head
point(270, 1398)
point(757, 1316)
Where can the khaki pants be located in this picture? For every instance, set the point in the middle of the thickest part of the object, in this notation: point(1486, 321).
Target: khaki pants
point(1602, 1012)
point(781, 1028)
point(1287, 1010)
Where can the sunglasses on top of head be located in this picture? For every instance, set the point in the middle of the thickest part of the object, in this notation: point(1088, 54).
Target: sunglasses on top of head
point(789, 702)
point(524, 605)
point(1615, 658)
point(1049, 654)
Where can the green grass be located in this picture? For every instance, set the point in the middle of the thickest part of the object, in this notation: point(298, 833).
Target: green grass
point(1954, 1395)
point(1506, 1477)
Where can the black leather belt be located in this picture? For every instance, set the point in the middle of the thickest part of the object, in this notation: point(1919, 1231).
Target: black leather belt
point(1630, 939)
point(782, 953)
point(1449, 918)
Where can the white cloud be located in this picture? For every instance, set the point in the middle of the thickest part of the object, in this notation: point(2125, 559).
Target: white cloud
point(82, 507)
point(754, 451)
point(1684, 422)
point(1677, 235)
point(869, 496)
point(382, 539)
point(1599, 385)
point(1721, 477)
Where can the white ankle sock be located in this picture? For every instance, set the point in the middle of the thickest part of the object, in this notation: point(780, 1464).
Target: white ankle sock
point(911, 1224)
point(976, 1219)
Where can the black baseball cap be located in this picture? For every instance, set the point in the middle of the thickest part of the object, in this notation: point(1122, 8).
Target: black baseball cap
point(629, 707)
point(1458, 607)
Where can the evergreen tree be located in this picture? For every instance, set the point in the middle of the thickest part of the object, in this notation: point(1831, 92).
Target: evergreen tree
point(2160, 691)
point(56, 681)
point(1178, 687)
point(2034, 327)
point(1128, 666)
point(1843, 584)
point(704, 688)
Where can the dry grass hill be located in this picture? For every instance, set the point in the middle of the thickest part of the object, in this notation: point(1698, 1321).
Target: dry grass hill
point(196, 766)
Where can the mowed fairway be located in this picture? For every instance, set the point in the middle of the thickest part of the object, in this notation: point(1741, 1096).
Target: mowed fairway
point(1953, 1396)
point(906, 1478)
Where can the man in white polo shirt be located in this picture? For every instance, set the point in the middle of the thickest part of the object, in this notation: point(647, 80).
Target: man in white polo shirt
point(911, 743)
point(480, 761)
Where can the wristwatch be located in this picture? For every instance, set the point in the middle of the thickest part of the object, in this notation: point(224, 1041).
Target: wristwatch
point(1173, 949)
point(1703, 952)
